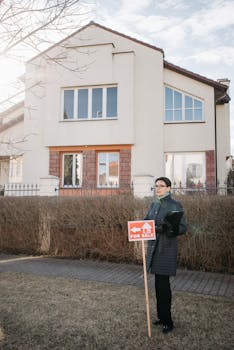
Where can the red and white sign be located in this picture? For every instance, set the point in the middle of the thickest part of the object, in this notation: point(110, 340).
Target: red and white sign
point(143, 230)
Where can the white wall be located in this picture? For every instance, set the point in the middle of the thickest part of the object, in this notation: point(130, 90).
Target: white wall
point(191, 136)
point(11, 140)
point(12, 145)
point(35, 164)
point(223, 141)
point(137, 71)
point(105, 69)
point(103, 57)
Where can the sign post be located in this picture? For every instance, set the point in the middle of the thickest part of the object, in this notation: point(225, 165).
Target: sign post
point(143, 231)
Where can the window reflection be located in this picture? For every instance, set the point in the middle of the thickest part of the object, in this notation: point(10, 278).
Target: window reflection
point(68, 104)
point(108, 169)
point(179, 107)
point(186, 169)
point(72, 170)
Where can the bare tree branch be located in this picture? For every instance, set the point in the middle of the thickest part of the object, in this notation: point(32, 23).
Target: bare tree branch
point(21, 20)
point(28, 27)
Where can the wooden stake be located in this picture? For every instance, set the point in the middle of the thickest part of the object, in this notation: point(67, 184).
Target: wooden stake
point(146, 291)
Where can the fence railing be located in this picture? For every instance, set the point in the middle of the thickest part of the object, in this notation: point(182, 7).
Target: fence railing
point(221, 190)
point(17, 189)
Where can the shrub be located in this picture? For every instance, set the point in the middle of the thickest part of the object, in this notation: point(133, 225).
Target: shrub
point(92, 227)
point(19, 228)
point(209, 242)
point(96, 227)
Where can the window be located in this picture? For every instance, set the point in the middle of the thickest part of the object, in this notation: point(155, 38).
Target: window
point(83, 103)
point(72, 170)
point(97, 103)
point(90, 103)
point(16, 169)
point(68, 104)
point(108, 169)
point(186, 169)
point(182, 107)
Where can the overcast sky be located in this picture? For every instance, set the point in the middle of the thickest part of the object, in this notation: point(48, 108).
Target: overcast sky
point(195, 34)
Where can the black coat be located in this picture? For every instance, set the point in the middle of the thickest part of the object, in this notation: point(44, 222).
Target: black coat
point(162, 253)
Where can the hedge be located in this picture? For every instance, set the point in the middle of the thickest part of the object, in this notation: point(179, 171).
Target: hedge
point(96, 228)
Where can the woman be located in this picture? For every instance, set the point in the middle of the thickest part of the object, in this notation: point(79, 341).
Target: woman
point(161, 257)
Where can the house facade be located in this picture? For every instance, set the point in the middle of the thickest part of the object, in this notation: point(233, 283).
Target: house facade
point(106, 112)
point(11, 145)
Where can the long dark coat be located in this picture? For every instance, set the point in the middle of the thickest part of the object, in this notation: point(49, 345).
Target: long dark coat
point(162, 253)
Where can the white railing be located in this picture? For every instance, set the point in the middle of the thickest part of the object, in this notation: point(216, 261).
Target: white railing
point(17, 189)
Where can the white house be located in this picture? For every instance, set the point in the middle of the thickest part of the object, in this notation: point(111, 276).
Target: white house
point(108, 111)
point(11, 144)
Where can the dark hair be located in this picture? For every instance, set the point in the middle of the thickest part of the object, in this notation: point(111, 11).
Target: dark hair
point(164, 179)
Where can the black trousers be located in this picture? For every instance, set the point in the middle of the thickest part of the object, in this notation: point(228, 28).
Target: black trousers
point(163, 296)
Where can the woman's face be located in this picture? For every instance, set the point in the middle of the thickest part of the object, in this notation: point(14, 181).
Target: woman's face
point(161, 188)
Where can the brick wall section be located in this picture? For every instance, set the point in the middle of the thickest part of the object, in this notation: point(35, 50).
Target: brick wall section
point(125, 167)
point(54, 163)
point(210, 169)
point(89, 169)
point(89, 183)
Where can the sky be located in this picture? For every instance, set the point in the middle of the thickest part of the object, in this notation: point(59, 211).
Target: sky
point(196, 35)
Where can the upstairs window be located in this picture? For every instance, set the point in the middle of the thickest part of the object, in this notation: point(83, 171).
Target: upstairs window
point(90, 103)
point(180, 107)
point(68, 112)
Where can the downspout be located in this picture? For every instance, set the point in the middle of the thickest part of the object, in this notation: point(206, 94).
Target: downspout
point(223, 99)
point(216, 155)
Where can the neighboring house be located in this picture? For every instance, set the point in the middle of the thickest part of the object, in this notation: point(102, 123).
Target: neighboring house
point(11, 142)
point(107, 111)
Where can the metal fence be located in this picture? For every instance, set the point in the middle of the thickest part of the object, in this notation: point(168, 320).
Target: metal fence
point(220, 190)
point(17, 189)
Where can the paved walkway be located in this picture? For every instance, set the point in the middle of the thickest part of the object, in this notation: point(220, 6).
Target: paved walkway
point(207, 283)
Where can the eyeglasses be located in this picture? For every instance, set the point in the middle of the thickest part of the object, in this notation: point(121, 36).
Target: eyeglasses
point(156, 186)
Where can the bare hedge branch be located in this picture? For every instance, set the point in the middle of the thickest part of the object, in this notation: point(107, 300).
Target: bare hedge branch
point(96, 227)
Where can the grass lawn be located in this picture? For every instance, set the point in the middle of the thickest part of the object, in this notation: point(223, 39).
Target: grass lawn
point(57, 313)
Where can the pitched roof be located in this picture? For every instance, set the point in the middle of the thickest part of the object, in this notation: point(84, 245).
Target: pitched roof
point(11, 109)
point(19, 117)
point(11, 123)
point(102, 27)
point(217, 85)
point(195, 76)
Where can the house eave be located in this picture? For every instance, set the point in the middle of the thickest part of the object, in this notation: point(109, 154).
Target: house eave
point(11, 109)
point(220, 89)
point(11, 123)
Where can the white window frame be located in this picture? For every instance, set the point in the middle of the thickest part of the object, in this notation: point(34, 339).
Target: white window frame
point(16, 169)
point(107, 169)
point(89, 117)
point(184, 94)
point(183, 179)
point(73, 170)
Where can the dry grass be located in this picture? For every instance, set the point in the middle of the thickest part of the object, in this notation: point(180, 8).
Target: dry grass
point(57, 313)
